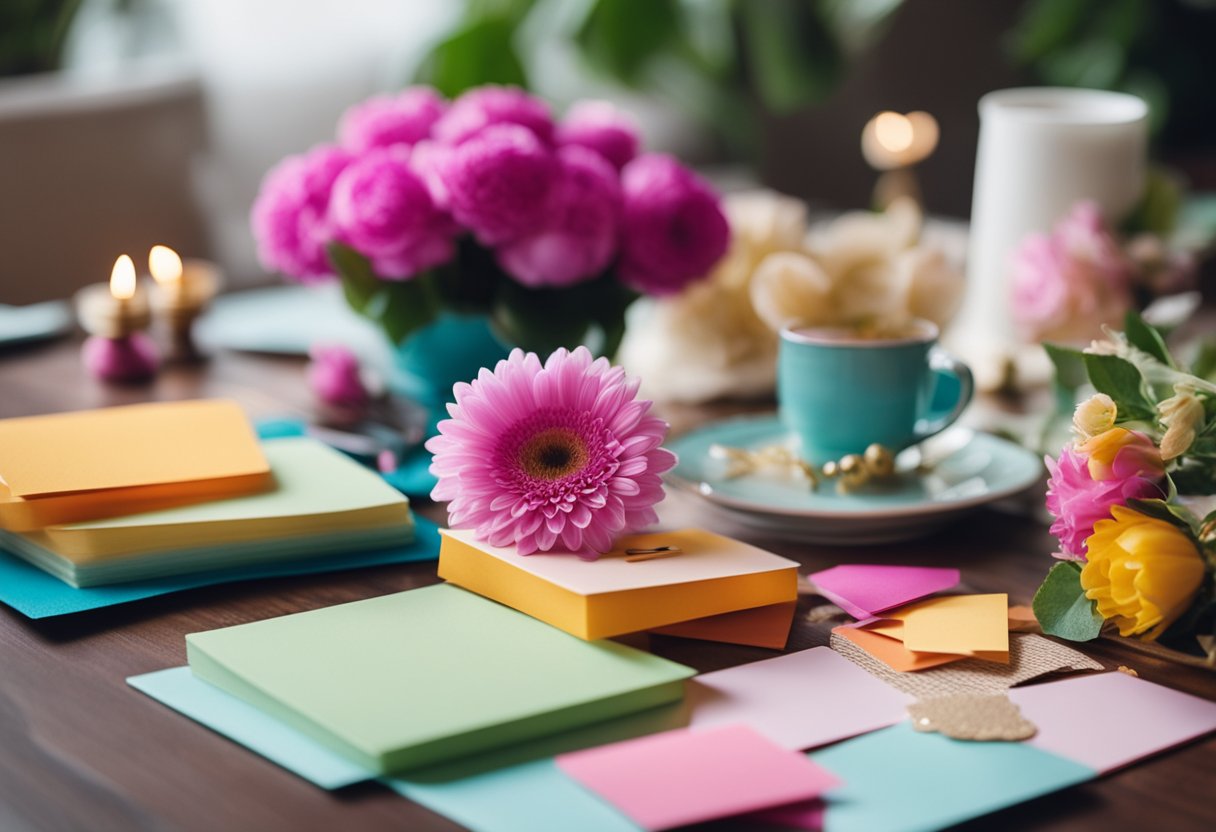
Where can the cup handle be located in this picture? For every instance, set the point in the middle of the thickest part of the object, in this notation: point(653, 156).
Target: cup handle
point(940, 417)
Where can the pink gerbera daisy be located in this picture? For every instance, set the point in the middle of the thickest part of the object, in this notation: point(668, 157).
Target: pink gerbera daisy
point(559, 457)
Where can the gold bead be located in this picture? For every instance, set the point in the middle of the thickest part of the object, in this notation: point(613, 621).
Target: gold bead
point(851, 463)
point(831, 469)
point(879, 461)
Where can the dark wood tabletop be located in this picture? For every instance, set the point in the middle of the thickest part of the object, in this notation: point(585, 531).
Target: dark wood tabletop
point(79, 749)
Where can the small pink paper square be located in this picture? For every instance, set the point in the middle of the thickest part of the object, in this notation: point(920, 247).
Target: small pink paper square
point(681, 777)
point(862, 590)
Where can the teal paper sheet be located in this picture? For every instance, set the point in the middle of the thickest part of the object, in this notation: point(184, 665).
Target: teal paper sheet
point(895, 779)
point(230, 717)
point(35, 594)
point(900, 780)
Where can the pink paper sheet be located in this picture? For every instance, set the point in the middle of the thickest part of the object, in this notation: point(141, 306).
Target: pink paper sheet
point(1110, 720)
point(680, 777)
point(862, 590)
point(800, 700)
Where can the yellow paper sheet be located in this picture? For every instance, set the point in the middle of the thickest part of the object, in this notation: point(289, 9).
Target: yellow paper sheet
point(68, 467)
point(967, 624)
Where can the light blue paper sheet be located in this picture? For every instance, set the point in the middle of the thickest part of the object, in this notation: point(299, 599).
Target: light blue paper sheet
point(230, 717)
point(900, 780)
point(36, 594)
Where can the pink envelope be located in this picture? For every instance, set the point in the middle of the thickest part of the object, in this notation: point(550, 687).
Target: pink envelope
point(680, 777)
point(862, 590)
point(1109, 720)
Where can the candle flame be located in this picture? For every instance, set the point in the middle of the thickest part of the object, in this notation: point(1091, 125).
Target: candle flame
point(122, 278)
point(893, 131)
point(165, 265)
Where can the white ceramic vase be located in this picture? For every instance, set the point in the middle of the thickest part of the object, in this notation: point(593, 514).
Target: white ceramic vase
point(1041, 150)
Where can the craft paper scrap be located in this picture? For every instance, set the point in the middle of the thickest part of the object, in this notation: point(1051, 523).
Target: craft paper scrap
point(418, 677)
point(892, 652)
point(800, 700)
point(1030, 656)
point(35, 594)
point(228, 716)
point(956, 624)
point(1109, 720)
point(767, 626)
point(613, 595)
point(863, 590)
point(66, 467)
point(898, 780)
point(681, 777)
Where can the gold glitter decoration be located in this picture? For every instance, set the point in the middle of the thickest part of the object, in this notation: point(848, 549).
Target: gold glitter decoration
point(851, 472)
point(972, 716)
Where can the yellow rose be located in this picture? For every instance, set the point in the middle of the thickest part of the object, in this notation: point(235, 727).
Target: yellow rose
point(1142, 572)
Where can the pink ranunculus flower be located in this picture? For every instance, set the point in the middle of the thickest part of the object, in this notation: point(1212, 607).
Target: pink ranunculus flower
point(290, 217)
point(1067, 284)
point(674, 227)
point(333, 376)
point(1119, 453)
point(501, 184)
point(385, 120)
point(383, 209)
point(559, 457)
point(1077, 499)
point(599, 126)
point(580, 239)
point(486, 106)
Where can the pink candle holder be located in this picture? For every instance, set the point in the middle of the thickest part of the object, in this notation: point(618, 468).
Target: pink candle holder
point(130, 358)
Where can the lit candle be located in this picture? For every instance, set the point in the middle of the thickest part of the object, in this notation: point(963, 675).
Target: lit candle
point(115, 316)
point(183, 291)
point(893, 143)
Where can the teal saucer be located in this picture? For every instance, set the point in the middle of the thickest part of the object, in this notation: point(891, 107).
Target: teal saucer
point(962, 470)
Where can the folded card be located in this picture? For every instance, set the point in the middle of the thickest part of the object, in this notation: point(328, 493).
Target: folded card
point(435, 673)
point(681, 777)
point(322, 503)
point(67, 467)
point(619, 593)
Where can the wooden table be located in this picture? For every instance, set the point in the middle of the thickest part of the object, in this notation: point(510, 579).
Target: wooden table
point(81, 750)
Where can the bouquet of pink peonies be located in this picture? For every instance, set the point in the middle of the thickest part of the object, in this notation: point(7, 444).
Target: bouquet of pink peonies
point(486, 206)
point(1132, 498)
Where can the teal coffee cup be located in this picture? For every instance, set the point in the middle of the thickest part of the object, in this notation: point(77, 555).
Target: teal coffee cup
point(839, 390)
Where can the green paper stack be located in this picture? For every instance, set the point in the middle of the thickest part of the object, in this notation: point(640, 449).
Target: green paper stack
point(429, 675)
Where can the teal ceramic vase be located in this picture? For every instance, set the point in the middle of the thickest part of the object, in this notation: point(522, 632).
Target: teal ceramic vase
point(432, 359)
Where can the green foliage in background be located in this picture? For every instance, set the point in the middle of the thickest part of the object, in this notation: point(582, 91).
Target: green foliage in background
point(718, 60)
point(32, 34)
point(1160, 50)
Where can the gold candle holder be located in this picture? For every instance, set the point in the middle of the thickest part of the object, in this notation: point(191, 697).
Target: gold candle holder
point(184, 290)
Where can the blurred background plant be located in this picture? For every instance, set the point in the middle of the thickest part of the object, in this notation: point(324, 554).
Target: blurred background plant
point(33, 34)
point(716, 60)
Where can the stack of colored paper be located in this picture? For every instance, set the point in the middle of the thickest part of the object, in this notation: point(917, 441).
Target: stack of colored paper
point(937, 631)
point(649, 581)
point(68, 467)
point(432, 674)
point(320, 503)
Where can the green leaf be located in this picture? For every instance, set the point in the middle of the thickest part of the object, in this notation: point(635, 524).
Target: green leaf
point(1172, 513)
point(1145, 337)
point(621, 37)
point(1204, 364)
point(1195, 478)
point(1120, 380)
point(1048, 25)
point(542, 320)
point(1070, 374)
point(482, 52)
point(399, 307)
point(792, 58)
point(1061, 607)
